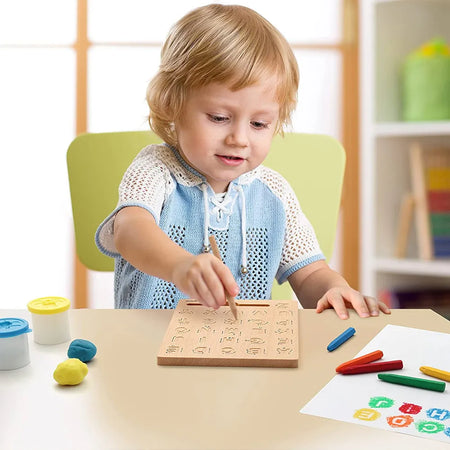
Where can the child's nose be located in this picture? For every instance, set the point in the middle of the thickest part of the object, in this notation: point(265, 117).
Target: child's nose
point(237, 136)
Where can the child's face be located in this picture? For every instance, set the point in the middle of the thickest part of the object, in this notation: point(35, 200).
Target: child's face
point(224, 133)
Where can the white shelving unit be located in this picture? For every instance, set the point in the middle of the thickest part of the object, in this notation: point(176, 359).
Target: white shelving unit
point(390, 30)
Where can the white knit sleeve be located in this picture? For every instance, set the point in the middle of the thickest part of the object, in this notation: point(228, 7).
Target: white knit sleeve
point(300, 246)
point(146, 183)
point(300, 242)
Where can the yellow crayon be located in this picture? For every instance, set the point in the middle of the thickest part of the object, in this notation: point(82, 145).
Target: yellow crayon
point(436, 373)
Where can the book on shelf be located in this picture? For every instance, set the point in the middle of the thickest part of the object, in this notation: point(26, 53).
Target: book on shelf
point(437, 174)
point(437, 299)
point(430, 201)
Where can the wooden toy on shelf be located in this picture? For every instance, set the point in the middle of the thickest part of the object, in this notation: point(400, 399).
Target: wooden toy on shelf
point(430, 200)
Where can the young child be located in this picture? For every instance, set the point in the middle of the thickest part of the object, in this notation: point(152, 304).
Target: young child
point(226, 85)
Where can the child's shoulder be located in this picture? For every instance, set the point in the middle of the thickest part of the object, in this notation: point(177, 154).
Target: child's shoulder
point(271, 178)
point(155, 152)
point(156, 157)
point(275, 182)
point(161, 158)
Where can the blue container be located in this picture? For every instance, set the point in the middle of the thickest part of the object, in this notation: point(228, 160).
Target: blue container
point(14, 351)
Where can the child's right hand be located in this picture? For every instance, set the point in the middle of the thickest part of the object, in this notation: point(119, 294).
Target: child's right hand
point(205, 279)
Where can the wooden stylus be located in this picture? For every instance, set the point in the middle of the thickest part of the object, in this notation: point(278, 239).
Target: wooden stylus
point(216, 253)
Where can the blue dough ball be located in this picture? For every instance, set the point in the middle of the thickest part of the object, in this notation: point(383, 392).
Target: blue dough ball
point(82, 349)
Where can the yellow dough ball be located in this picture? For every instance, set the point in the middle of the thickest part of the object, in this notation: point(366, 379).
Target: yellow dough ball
point(70, 372)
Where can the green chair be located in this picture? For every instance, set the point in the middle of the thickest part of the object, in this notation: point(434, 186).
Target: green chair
point(313, 165)
point(96, 163)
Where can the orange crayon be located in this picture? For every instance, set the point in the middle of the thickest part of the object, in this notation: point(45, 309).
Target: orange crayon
point(377, 354)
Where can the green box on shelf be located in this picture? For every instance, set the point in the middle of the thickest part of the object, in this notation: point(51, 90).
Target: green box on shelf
point(426, 83)
point(440, 224)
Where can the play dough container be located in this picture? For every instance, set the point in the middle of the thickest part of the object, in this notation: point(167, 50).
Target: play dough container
point(50, 317)
point(14, 352)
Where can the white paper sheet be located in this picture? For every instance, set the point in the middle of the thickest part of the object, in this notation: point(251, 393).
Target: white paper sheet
point(364, 399)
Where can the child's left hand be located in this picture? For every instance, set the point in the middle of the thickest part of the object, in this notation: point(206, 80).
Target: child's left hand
point(342, 297)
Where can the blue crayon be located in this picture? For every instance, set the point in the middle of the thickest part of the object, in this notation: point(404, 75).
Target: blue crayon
point(346, 335)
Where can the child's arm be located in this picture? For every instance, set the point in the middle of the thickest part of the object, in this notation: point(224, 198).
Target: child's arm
point(143, 244)
point(317, 286)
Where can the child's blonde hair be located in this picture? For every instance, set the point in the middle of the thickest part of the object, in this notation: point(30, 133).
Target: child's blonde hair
point(223, 44)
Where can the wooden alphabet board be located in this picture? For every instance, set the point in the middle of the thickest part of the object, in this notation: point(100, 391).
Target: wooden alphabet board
point(265, 334)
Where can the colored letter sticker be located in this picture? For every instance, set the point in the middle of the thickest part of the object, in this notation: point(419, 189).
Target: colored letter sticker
point(430, 427)
point(380, 402)
point(410, 408)
point(366, 414)
point(438, 414)
point(400, 421)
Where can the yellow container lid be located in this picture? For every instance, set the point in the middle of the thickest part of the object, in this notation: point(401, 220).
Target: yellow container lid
point(49, 305)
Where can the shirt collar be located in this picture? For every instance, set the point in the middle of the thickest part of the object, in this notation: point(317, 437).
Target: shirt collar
point(245, 178)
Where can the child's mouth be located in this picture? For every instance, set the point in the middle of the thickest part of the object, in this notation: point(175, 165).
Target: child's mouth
point(231, 160)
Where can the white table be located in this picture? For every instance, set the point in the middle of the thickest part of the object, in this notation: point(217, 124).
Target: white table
point(127, 401)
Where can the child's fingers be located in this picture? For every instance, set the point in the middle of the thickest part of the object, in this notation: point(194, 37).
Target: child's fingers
point(372, 304)
point(215, 287)
point(227, 279)
point(205, 278)
point(206, 294)
point(333, 300)
point(194, 294)
point(197, 290)
point(338, 299)
point(384, 308)
point(321, 306)
point(212, 281)
point(357, 301)
point(375, 306)
point(200, 275)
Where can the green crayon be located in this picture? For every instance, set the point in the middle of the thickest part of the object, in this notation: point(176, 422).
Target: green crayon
point(421, 383)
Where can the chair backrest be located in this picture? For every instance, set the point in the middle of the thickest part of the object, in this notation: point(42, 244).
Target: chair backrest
point(313, 164)
point(96, 163)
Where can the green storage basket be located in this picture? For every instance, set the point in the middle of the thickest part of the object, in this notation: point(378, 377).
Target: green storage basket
point(426, 83)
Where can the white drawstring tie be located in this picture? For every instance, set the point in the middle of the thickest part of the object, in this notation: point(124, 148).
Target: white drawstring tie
point(244, 269)
point(206, 246)
point(222, 208)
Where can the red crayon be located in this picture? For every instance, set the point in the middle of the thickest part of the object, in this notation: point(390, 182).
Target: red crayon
point(373, 367)
point(377, 354)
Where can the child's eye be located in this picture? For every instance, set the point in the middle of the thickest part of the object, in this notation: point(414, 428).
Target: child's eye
point(260, 125)
point(217, 119)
